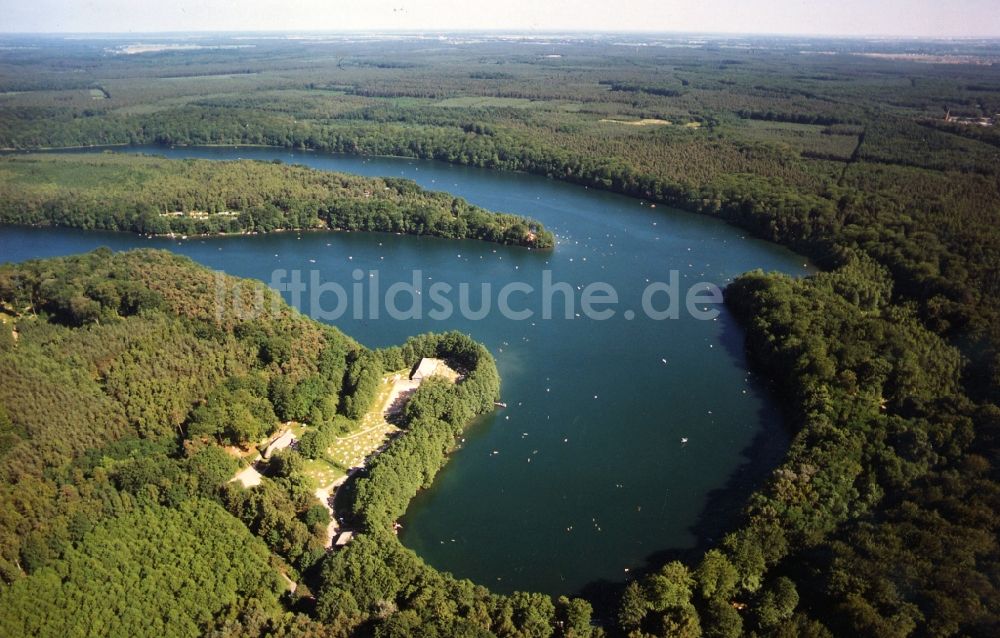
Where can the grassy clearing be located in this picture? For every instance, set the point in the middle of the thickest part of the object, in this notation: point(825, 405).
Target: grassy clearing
point(409, 102)
point(353, 448)
point(647, 121)
point(321, 472)
point(375, 415)
point(351, 451)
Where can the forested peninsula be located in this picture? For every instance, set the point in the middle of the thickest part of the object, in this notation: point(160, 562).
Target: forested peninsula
point(113, 466)
point(152, 195)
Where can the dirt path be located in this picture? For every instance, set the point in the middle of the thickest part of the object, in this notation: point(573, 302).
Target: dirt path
point(362, 432)
point(325, 496)
point(401, 390)
point(292, 585)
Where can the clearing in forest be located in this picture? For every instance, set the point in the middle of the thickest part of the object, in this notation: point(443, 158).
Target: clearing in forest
point(350, 451)
point(647, 121)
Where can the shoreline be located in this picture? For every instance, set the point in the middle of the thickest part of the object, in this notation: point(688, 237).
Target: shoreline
point(805, 251)
point(530, 241)
point(223, 235)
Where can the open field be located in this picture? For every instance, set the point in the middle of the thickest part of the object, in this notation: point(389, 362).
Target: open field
point(352, 450)
point(648, 121)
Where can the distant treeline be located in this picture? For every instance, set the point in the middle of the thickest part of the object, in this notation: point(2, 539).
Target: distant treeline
point(795, 118)
point(194, 197)
point(651, 89)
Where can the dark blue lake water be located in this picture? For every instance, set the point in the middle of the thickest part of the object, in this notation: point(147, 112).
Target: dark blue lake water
point(584, 475)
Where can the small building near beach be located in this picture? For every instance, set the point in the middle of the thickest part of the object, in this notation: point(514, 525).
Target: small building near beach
point(426, 368)
point(343, 539)
point(280, 443)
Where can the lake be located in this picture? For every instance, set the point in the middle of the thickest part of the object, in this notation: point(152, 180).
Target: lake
point(622, 438)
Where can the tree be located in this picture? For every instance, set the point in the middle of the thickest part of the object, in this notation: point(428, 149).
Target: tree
point(285, 463)
point(716, 577)
point(235, 416)
point(669, 596)
point(721, 620)
point(633, 607)
point(212, 467)
point(573, 616)
point(778, 602)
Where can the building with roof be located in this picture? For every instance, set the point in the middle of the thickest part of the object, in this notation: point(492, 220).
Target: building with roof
point(280, 443)
point(426, 368)
point(343, 539)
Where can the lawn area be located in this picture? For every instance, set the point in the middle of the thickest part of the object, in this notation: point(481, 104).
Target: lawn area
point(353, 448)
point(351, 451)
point(373, 430)
point(376, 413)
point(366, 437)
point(321, 472)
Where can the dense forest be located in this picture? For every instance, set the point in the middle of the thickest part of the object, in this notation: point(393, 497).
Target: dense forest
point(881, 520)
point(116, 482)
point(158, 196)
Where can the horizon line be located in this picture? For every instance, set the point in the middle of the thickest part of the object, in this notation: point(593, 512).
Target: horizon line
point(510, 32)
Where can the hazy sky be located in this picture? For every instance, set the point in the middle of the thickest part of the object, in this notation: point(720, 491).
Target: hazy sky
point(828, 17)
